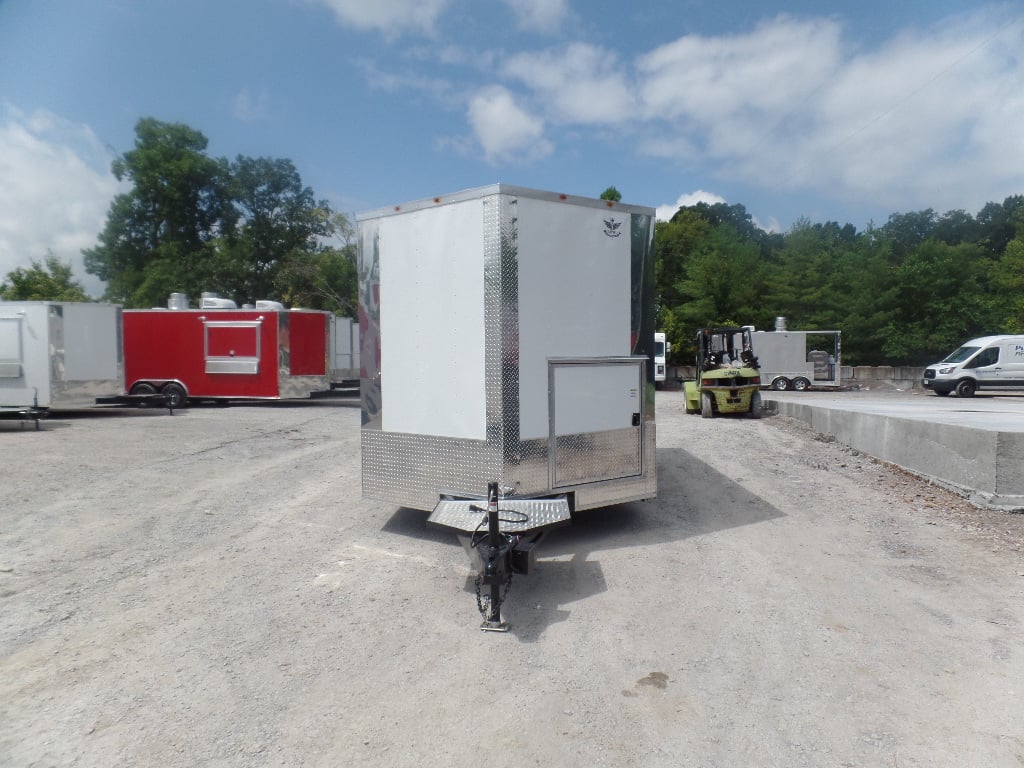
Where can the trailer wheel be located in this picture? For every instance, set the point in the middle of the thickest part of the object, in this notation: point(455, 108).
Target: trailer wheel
point(143, 388)
point(801, 384)
point(177, 397)
point(780, 384)
point(966, 388)
point(707, 410)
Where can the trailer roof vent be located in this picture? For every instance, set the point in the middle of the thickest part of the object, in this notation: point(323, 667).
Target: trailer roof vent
point(216, 302)
point(780, 323)
point(177, 301)
point(271, 306)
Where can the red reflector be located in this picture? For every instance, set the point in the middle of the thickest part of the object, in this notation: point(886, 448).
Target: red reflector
point(707, 383)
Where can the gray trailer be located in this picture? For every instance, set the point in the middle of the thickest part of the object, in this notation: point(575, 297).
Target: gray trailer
point(798, 360)
point(344, 341)
point(58, 355)
point(506, 342)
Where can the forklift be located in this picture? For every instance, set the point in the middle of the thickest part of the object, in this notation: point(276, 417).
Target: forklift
point(728, 376)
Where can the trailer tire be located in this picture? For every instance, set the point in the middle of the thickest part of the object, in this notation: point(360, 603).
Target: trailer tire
point(177, 397)
point(966, 388)
point(143, 388)
point(781, 384)
point(707, 409)
point(801, 384)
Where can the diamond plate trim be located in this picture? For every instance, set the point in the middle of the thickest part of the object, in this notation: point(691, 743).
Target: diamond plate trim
point(470, 515)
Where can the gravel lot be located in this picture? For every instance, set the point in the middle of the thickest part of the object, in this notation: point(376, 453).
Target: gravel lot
point(209, 589)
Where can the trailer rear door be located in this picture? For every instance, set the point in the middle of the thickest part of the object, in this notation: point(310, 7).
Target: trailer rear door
point(596, 419)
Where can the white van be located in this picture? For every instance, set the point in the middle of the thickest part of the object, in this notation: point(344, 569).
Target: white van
point(661, 350)
point(989, 362)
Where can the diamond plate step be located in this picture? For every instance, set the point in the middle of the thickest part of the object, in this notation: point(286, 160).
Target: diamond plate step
point(514, 515)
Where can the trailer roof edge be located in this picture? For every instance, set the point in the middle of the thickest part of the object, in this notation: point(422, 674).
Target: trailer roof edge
point(502, 189)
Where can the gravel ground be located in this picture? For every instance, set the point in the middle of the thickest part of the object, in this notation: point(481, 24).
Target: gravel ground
point(209, 589)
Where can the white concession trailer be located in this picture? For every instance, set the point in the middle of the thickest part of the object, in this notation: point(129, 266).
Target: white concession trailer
point(506, 342)
point(58, 355)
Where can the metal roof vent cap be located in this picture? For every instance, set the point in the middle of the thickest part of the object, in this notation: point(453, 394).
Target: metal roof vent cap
point(780, 323)
point(177, 301)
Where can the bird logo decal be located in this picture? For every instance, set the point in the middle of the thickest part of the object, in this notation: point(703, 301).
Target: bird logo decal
point(611, 227)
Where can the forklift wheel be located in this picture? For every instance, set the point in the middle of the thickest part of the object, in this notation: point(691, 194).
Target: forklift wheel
point(706, 408)
point(756, 408)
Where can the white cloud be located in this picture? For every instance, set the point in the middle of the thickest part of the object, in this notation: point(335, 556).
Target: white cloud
point(392, 17)
point(539, 15)
point(773, 68)
point(249, 108)
point(578, 84)
point(56, 192)
point(930, 118)
point(666, 212)
point(506, 131)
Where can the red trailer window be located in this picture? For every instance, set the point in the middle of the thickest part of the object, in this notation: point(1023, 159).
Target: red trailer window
point(233, 346)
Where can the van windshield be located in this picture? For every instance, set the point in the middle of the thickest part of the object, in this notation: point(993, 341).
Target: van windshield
point(961, 354)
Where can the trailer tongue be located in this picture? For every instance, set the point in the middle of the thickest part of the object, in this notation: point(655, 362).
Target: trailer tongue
point(506, 338)
point(500, 539)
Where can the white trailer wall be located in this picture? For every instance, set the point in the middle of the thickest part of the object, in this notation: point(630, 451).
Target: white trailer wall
point(574, 296)
point(432, 288)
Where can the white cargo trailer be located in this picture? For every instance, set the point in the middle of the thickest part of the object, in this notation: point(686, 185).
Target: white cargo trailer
point(58, 355)
point(798, 360)
point(506, 337)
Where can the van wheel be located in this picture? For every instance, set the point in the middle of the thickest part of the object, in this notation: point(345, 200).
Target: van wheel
point(966, 388)
point(801, 384)
point(781, 384)
point(177, 397)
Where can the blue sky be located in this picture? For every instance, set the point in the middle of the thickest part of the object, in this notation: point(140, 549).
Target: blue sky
point(833, 111)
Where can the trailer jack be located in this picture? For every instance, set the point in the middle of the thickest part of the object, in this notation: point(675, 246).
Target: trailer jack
point(514, 528)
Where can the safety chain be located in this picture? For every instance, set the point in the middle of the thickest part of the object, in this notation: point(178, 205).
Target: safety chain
point(480, 599)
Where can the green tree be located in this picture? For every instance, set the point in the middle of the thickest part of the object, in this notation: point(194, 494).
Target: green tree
point(161, 235)
point(278, 220)
point(1008, 279)
point(325, 279)
point(50, 280)
point(944, 298)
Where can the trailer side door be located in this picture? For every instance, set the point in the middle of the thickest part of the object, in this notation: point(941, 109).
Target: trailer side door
point(596, 419)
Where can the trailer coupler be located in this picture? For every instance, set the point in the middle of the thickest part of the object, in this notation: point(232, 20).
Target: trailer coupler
point(501, 540)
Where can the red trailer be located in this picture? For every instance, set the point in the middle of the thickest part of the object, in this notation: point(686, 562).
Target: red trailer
point(218, 351)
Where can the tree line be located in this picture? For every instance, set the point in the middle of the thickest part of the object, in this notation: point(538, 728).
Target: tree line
point(246, 229)
point(904, 293)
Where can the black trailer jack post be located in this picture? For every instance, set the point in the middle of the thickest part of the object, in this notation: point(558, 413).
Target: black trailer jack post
point(501, 540)
point(497, 570)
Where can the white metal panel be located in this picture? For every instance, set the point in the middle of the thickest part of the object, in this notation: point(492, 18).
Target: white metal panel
point(432, 321)
point(12, 356)
point(35, 381)
point(90, 342)
point(344, 345)
point(595, 397)
point(574, 295)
